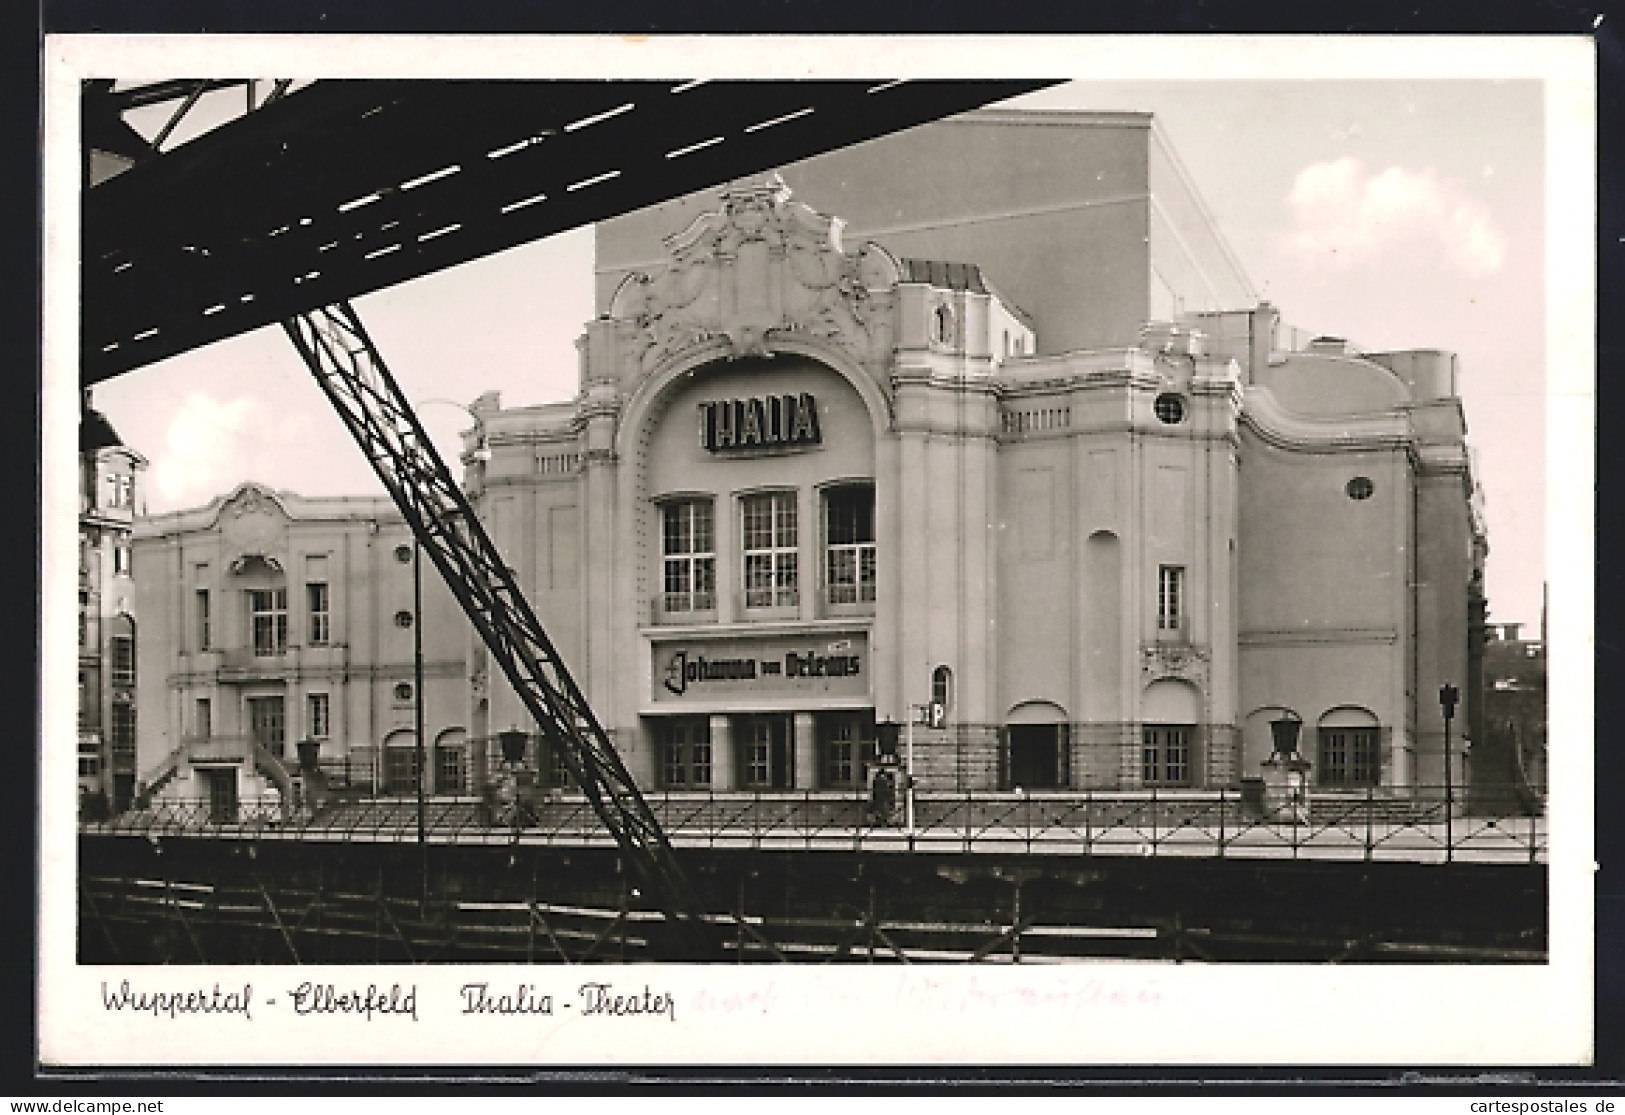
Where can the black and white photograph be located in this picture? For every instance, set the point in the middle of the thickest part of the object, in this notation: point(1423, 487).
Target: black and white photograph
point(571, 531)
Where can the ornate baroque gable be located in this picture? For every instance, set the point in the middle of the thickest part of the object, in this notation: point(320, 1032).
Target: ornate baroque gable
point(254, 525)
point(761, 265)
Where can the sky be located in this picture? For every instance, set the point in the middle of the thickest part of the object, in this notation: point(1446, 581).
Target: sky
point(1396, 213)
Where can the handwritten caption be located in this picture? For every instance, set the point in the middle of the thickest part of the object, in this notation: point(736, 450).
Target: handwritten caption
point(590, 1000)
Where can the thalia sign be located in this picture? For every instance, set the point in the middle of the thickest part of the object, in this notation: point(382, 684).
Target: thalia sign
point(776, 420)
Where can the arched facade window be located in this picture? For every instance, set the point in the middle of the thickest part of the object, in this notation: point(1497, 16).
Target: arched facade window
point(1347, 748)
point(1168, 751)
point(451, 762)
point(400, 763)
point(942, 687)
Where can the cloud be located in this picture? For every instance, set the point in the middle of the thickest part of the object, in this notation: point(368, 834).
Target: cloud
point(205, 448)
point(1344, 214)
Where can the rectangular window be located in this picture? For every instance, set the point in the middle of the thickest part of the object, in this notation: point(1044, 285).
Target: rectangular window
point(202, 718)
point(688, 543)
point(558, 771)
point(1170, 597)
point(123, 648)
point(769, 523)
point(121, 559)
point(317, 715)
point(316, 603)
point(267, 723)
point(120, 490)
point(123, 727)
point(450, 769)
point(843, 759)
point(90, 701)
point(268, 617)
point(1165, 754)
point(849, 554)
point(1348, 757)
point(685, 747)
point(759, 755)
point(200, 607)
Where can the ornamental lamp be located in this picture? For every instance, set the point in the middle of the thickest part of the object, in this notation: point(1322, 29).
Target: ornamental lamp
point(886, 733)
point(513, 743)
point(1284, 730)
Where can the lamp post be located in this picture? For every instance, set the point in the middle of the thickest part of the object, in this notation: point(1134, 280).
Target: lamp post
point(1284, 770)
point(481, 454)
point(886, 733)
point(1448, 696)
point(417, 694)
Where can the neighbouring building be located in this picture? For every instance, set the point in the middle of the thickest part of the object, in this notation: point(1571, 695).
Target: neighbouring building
point(268, 619)
point(1508, 763)
point(985, 414)
point(108, 475)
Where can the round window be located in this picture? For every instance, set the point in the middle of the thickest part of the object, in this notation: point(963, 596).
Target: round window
point(403, 691)
point(1360, 488)
point(403, 554)
point(1170, 409)
point(403, 618)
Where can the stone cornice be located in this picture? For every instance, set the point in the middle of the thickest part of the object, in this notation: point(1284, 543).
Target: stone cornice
point(249, 497)
point(1283, 429)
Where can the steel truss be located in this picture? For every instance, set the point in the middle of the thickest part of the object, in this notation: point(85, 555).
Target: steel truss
point(352, 373)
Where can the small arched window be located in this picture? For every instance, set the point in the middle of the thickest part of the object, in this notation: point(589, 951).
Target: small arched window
point(942, 687)
point(942, 325)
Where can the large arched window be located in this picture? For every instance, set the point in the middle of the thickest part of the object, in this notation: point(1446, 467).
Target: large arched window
point(942, 687)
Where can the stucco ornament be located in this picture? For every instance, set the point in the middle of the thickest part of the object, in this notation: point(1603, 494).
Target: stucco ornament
point(1175, 660)
point(761, 265)
point(253, 523)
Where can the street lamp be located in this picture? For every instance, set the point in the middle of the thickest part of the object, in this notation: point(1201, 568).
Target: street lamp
point(1285, 769)
point(886, 733)
point(481, 454)
point(1448, 696)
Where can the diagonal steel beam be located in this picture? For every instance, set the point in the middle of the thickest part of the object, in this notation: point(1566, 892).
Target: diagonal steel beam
point(352, 373)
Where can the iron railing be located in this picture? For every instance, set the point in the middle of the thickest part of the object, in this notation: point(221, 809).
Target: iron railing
point(1417, 824)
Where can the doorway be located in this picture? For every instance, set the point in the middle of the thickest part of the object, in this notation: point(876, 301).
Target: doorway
point(220, 788)
point(1037, 756)
point(268, 723)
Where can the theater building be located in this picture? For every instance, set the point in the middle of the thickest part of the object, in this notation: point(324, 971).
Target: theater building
point(984, 414)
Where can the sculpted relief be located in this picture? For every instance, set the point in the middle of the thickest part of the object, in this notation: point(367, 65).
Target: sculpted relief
point(760, 265)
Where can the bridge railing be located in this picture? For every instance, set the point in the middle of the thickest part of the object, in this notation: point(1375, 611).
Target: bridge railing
point(1417, 824)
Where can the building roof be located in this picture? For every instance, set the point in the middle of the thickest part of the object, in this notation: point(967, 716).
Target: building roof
point(96, 432)
point(952, 276)
point(958, 276)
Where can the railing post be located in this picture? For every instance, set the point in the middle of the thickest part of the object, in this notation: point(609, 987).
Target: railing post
point(1221, 822)
point(1154, 818)
point(1088, 820)
point(967, 818)
point(1370, 806)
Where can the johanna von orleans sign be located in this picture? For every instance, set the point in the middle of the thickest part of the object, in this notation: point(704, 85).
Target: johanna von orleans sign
point(760, 423)
point(745, 668)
